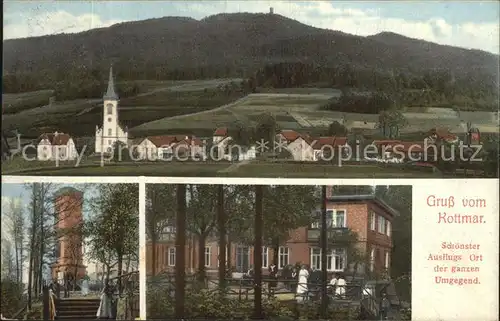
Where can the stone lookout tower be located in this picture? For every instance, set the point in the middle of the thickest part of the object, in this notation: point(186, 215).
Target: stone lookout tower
point(271, 10)
point(69, 250)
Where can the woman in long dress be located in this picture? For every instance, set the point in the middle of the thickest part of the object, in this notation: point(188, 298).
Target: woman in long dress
point(105, 310)
point(85, 284)
point(340, 287)
point(302, 285)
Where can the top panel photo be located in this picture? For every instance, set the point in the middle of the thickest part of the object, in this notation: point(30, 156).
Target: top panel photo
point(242, 89)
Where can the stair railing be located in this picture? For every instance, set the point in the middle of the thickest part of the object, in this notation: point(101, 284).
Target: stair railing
point(52, 305)
point(129, 290)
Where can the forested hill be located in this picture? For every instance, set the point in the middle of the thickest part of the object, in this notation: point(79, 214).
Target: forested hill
point(224, 45)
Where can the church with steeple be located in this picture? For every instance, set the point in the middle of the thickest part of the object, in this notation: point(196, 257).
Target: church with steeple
point(110, 132)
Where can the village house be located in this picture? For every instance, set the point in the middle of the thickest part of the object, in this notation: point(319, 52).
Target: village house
point(324, 147)
point(298, 145)
point(366, 215)
point(170, 147)
point(224, 148)
point(443, 134)
point(56, 146)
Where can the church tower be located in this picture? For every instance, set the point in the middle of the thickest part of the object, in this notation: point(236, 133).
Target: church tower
point(111, 131)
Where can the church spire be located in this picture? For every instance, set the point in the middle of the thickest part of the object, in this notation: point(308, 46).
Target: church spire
point(111, 94)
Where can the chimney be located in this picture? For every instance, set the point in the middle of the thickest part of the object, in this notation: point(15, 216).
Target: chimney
point(271, 10)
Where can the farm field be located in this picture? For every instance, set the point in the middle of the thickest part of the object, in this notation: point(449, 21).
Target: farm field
point(197, 107)
point(31, 114)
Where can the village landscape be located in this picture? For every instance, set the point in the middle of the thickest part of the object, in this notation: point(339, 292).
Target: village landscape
point(251, 117)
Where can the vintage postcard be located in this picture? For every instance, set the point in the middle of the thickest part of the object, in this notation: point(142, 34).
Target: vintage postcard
point(70, 251)
point(244, 89)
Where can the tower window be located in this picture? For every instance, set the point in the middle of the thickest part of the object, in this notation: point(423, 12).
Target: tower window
point(109, 119)
point(110, 132)
point(109, 109)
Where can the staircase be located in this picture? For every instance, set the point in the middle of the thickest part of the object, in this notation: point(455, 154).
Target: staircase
point(73, 309)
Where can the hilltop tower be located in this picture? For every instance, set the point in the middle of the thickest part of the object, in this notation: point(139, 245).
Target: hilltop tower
point(271, 10)
point(111, 132)
point(69, 248)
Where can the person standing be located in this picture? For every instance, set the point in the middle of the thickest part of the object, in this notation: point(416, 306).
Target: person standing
point(302, 285)
point(384, 306)
point(295, 278)
point(273, 275)
point(105, 310)
point(66, 284)
point(85, 284)
point(340, 287)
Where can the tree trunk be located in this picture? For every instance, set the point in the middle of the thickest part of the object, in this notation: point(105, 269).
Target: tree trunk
point(180, 248)
point(201, 259)
point(276, 250)
point(229, 263)
point(153, 255)
point(257, 258)
point(41, 238)
point(32, 245)
point(119, 274)
point(221, 222)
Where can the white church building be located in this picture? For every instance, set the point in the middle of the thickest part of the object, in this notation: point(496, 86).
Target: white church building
point(111, 132)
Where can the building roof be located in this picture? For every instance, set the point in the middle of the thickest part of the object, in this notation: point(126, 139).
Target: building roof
point(56, 138)
point(369, 197)
point(289, 135)
point(111, 93)
point(164, 140)
point(222, 131)
point(67, 190)
point(324, 141)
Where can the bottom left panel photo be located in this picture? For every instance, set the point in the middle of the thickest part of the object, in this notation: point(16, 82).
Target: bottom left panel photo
point(70, 251)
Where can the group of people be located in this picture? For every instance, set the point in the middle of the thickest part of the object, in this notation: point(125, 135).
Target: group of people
point(70, 284)
point(306, 277)
point(303, 281)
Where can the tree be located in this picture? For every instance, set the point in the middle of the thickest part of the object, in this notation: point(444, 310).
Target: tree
point(8, 261)
point(390, 122)
point(266, 129)
point(286, 208)
point(242, 135)
point(15, 222)
point(201, 218)
point(160, 213)
point(337, 129)
point(113, 230)
point(400, 198)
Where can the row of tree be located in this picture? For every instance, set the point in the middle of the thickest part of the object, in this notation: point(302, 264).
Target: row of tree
point(413, 89)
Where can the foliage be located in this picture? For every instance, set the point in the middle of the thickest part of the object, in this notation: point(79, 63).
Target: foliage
point(12, 297)
point(266, 128)
point(114, 231)
point(400, 198)
point(337, 129)
point(212, 305)
point(286, 207)
point(391, 121)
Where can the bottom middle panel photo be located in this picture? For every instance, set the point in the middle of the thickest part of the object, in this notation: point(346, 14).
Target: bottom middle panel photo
point(278, 251)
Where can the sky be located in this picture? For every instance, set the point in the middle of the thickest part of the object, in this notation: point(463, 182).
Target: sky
point(464, 24)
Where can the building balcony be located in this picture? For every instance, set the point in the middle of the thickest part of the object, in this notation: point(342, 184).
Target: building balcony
point(335, 234)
